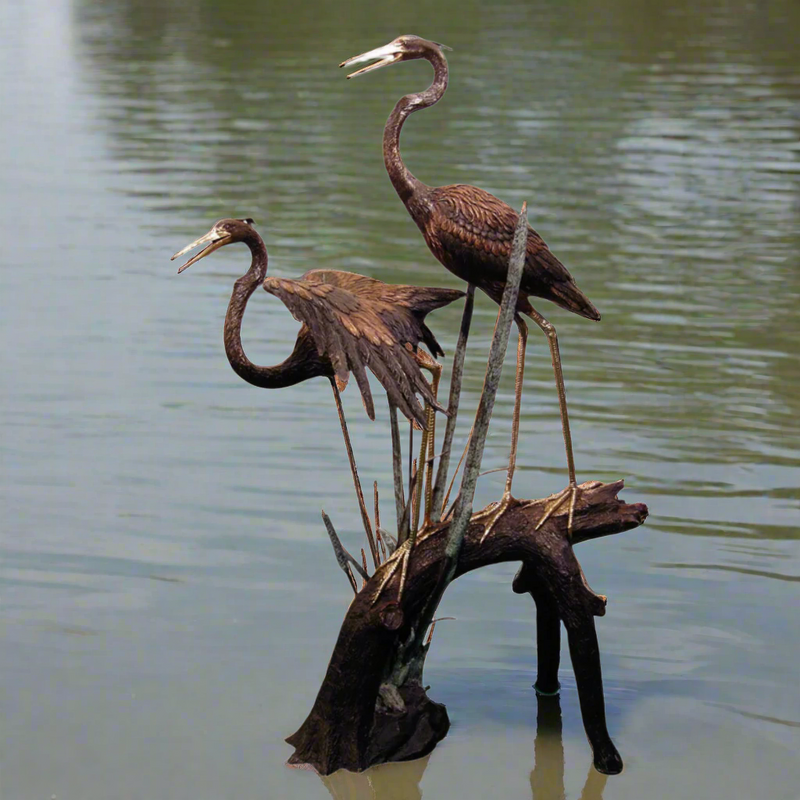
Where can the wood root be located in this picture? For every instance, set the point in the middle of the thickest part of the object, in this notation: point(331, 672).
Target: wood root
point(372, 707)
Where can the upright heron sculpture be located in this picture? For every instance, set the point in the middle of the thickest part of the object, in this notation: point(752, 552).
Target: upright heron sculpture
point(350, 322)
point(470, 232)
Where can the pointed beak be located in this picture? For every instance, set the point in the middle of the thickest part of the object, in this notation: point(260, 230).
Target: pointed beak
point(386, 55)
point(217, 239)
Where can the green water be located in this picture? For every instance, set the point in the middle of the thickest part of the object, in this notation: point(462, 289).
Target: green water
point(169, 601)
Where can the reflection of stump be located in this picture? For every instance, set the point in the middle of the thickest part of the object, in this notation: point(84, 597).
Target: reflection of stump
point(547, 777)
point(371, 707)
point(398, 781)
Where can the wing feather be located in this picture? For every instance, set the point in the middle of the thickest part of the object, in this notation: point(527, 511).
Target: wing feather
point(359, 322)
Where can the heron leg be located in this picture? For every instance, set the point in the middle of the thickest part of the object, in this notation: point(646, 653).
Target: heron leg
point(521, 345)
point(354, 470)
point(418, 483)
point(402, 556)
point(403, 534)
point(397, 466)
point(426, 454)
point(456, 378)
point(400, 559)
point(572, 491)
point(492, 513)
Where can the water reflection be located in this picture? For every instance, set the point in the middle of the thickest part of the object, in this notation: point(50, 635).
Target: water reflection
point(386, 782)
point(547, 777)
point(401, 781)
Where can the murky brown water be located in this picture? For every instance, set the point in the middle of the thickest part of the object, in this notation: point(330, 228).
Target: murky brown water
point(169, 599)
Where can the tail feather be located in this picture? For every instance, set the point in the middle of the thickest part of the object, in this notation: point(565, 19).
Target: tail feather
point(569, 296)
point(443, 297)
point(545, 276)
point(424, 299)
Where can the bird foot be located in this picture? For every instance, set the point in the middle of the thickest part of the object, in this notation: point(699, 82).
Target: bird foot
point(400, 559)
point(493, 512)
point(557, 500)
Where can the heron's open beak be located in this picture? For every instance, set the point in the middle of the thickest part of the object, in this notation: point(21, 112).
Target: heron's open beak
point(217, 238)
point(386, 55)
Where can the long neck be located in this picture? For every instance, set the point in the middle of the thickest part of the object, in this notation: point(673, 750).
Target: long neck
point(405, 184)
point(289, 372)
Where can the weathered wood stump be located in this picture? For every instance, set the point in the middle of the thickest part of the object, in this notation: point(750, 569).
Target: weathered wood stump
point(372, 707)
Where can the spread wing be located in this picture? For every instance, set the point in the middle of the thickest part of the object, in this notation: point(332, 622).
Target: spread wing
point(359, 323)
point(477, 228)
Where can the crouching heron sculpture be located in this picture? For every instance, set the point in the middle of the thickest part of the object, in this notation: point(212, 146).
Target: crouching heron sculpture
point(349, 323)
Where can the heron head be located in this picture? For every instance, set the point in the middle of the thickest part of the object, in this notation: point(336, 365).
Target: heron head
point(226, 231)
point(403, 48)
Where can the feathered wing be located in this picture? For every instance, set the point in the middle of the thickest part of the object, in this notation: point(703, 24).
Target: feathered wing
point(475, 230)
point(359, 323)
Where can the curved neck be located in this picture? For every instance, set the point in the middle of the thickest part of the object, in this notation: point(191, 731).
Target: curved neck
point(405, 184)
point(287, 373)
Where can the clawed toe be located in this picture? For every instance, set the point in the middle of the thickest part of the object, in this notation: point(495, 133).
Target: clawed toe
point(492, 513)
point(570, 493)
point(400, 559)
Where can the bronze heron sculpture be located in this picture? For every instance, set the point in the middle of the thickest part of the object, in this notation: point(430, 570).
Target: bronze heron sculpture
point(470, 232)
point(349, 322)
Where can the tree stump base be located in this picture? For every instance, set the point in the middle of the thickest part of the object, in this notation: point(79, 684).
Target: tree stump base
point(372, 707)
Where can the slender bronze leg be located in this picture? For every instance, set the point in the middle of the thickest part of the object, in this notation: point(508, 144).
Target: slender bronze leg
point(456, 378)
point(397, 468)
point(431, 446)
point(424, 476)
point(494, 512)
point(418, 484)
point(354, 470)
point(379, 539)
point(401, 556)
point(572, 491)
point(410, 474)
point(429, 438)
point(377, 504)
point(521, 345)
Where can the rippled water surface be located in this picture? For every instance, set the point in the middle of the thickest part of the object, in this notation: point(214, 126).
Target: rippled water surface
point(169, 601)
